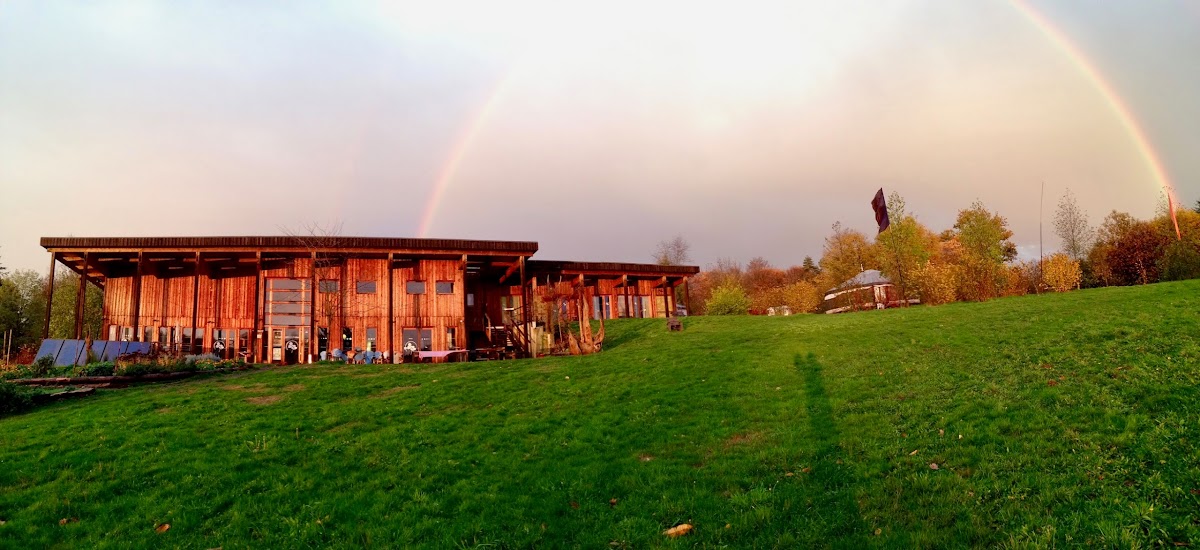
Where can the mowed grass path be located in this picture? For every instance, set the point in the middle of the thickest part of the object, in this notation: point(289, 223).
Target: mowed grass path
point(1053, 420)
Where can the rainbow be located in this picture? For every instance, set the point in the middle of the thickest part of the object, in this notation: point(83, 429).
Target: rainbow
point(1118, 105)
point(1057, 37)
point(459, 152)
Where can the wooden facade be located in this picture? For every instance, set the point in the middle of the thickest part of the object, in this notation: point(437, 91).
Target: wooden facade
point(289, 299)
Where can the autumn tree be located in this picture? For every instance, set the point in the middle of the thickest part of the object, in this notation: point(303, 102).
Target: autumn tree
point(847, 253)
point(1072, 227)
point(985, 248)
point(673, 252)
point(1061, 272)
point(904, 247)
point(728, 299)
point(1134, 257)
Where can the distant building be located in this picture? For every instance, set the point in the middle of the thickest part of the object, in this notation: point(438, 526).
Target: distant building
point(867, 290)
point(290, 299)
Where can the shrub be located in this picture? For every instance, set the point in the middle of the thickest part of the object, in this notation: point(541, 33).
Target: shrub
point(41, 367)
point(728, 299)
point(1179, 261)
point(95, 369)
point(14, 398)
point(1061, 273)
point(937, 283)
point(137, 369)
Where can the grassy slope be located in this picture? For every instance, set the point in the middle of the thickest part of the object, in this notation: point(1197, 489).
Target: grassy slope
point(768, 432)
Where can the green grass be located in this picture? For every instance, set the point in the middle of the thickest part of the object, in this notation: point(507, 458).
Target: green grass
point(1054, 420)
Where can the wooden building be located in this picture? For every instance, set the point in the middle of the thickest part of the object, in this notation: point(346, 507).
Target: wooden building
point(291, 299)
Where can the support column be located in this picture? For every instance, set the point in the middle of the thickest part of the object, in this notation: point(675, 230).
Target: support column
point(256, 334)
point(196, 306)
point(137, 297)
point(80, 297)
point(313, 353)
point(524, 305)
point(666, 299)
point(391, 324)
point(49, 296)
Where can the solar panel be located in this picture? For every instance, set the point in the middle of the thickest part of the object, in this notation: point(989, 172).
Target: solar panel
point(111, 350)
point(49, 347)
point(70, 352)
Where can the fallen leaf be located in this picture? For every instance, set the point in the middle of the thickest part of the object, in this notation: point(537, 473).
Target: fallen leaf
point(678, 530)
point(878, 531)
point(960, 436)
point(789, 474)
point(568, 378)
point(941, 432)
point(914, 453)
point(612, 502)
point(65, 521)
point(806, 470)
point(162, 528)
point(933, 466)
point(728, 525)
point(574, 505)
point(905, 434)
point(1196, 491)
point(1052, 382)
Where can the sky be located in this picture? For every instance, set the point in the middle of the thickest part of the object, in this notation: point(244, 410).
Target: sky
point(596, 129)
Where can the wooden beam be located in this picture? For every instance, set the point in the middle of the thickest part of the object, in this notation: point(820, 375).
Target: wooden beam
point(391, 324)
point(80, 299)
point(660, 282)
point(196, 305)
point(312, 310)
point(49, 297)
point(687, 297)
point(520, 265)
point(137, 297)
point(256, 334)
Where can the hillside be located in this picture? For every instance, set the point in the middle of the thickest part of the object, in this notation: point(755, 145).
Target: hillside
point(1055, 419)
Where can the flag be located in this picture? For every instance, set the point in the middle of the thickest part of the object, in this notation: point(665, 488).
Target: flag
point(1171, 207)
point(880, 206)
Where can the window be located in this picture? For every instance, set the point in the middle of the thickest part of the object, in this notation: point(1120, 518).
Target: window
point(244, 340)
point(112, 333)
point(187, 340)
point(622, 310)
point(470, 299)
point(147, 334)
point(509, 305)
point(126, 334)
point(451, 343)
point(223, 343)
point(328, 286)
point(322, 340)
point(602, 307)
point(638, 304)
point(347, 339)
point(414, 287)
point(416, 340)
point(197, 340)
point(365, 287)
point(445, 287)
point(372, 333)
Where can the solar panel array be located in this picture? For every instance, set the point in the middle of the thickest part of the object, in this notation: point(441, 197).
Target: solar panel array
point(73, 352)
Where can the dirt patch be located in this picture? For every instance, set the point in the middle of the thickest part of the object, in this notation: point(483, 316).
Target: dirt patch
point(164, 410)
point(251, 387)
point(344, 427)
point(645, 458)
point(294, 387)
point(367, 375)
point(741, 439)
point(395, 390)
point(264, 399)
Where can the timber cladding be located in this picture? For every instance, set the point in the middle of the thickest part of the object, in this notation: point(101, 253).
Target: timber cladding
point(292, 299)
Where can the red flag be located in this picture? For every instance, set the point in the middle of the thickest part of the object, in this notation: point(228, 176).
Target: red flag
point(881, 214)
point(1171, 207)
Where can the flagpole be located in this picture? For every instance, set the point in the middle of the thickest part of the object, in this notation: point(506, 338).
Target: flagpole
point(1037, 286)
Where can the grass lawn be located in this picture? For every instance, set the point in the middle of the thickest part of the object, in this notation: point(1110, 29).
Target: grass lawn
point(1061, 420)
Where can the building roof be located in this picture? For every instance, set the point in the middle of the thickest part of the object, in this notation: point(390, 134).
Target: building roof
point(588, 268)
point(299, 242)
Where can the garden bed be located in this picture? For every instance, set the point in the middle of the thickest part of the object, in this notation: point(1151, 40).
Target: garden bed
point(119, 380)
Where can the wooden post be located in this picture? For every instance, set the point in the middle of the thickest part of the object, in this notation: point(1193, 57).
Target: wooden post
point(256, 334)
point(666, 300)
point(312, 310)
point(391, 324)
point(625, 291)
point(524, 307)
point(137, 297)
point(464, 341)
point(49, 296)
point(80, 296)
point(196, 305)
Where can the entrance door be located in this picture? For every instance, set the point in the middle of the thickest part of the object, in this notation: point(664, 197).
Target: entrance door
point(291, 347)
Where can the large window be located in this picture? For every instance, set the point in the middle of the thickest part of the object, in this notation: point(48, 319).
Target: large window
point(328, 286)
point(289, 302)
point(224, 344)
point(414, 287)
point(451, 341)
point(417, 339)
point(372, 334)
point(347, 339)
point(602, 307)
point(445, 287)
point(365, 287)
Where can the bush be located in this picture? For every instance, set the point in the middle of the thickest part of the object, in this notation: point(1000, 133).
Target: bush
point(937, 283)
point(1061, 273)
point(138, 369)
point(105, 368)
point(1180, 261)
point(41, 367)
point(14, 398)
point(728, 299)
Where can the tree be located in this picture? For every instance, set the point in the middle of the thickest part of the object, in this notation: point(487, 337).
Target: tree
point(673, 252)
point(2, 270)
point(1134, 257)
point(1072, 227)
point(847, 253)
point(1180, 261)
point(985, 247)
point(728, 299)
point(62, 314)
point(904, 247)
point(23, 307)
point(1061, 272)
